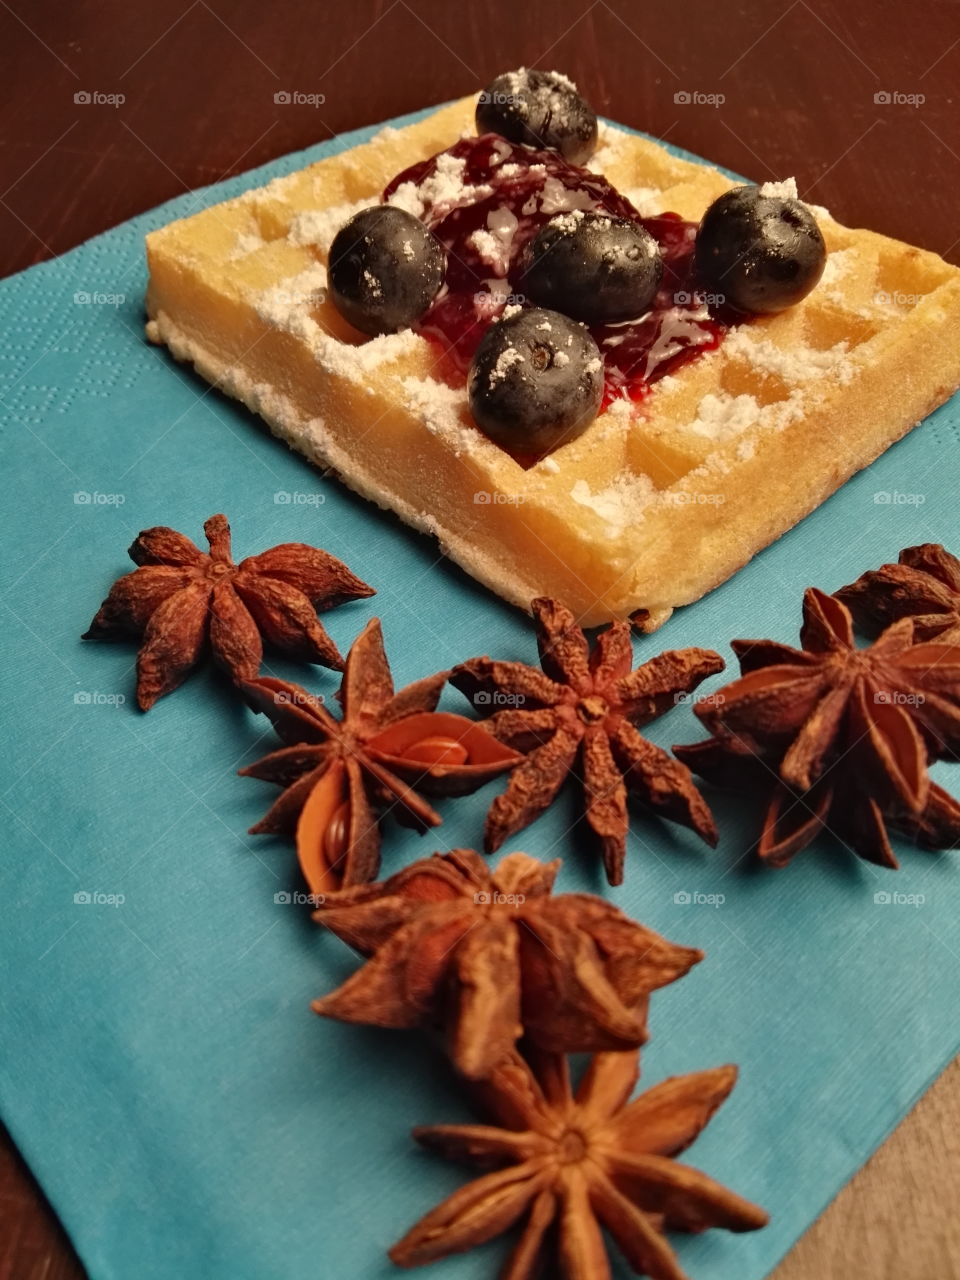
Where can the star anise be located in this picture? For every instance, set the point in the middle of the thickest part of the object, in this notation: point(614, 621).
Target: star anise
point(567, 1164)
point(479, 953)
point(580, 714)
point(840, 736)
point(340, 775)
point(924, 585)
point(182, 601)
point(837, 803)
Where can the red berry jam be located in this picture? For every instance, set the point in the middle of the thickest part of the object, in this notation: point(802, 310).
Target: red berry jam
point(486, 198)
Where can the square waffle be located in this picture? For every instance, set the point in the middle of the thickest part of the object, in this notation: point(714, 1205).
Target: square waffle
point(657, 502)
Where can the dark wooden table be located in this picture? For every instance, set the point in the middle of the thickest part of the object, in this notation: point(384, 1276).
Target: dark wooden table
point(110, 107)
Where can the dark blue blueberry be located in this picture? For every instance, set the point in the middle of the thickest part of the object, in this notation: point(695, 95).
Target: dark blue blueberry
point(593, 267)
point(541, 109)
point(536, 381)
point(760, 253)
point(385, 269)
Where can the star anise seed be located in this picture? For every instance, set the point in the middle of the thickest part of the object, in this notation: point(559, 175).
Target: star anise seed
point(924, 585)
point(567, 1164)
point(491, 955)
point(580, 714)
point(893, 705)
point(838, 737)
point(340, 775)
point(182, 601)
point(837, 804)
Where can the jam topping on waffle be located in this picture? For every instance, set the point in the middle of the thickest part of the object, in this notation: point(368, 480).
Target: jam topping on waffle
point(486, 198)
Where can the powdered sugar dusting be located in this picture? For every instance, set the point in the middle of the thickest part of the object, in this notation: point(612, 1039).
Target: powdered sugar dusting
point(318, 227)
point(620, 502)
point(495, 243)
point(444, 411)
point(506, 360)
point(247, 242)
point(288, 298)
point(721, 416)
point(837, 265)
point(609, 148)
point(648, 201)
point(556, 198)
point(440, 191)
point(796, 364)
point(785, 190)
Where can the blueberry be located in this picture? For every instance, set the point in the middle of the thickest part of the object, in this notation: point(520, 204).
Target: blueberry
point(761, 253)
point(385, 269)
point(593, 267)
point(536, 381)
point(541, 109)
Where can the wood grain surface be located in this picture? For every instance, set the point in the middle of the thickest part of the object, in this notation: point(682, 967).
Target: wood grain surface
point(110, 107)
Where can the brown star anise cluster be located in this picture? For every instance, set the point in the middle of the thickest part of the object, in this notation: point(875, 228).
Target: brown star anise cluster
point(567, 1163)
point(515, 978)
point(839, 737)
point(339, 776)
point(489, 955)
point(512, 976)
point(923, 585)
point(183, 601)
point(580, 715)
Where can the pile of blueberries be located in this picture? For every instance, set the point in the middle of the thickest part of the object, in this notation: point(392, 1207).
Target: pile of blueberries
point(537, 377)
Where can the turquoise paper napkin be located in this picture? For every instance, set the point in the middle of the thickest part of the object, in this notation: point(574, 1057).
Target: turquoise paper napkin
point(160, 1069)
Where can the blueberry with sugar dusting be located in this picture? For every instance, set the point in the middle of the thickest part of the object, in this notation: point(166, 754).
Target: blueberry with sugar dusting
point(536, 381)
point(760, 248)
point(593, 267)
point(541, 109)
point(385, 269)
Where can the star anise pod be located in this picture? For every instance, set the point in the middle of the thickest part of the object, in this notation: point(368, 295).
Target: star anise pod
point(567, 1164)
point(182, 601)
point(892, 705)
point(841, 736)
point(924, 585)
point(580, 715)
point(837, 803)
point(489, 955)
point(340, 775)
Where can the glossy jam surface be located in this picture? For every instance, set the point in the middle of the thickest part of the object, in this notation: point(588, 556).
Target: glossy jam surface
point(486, 198)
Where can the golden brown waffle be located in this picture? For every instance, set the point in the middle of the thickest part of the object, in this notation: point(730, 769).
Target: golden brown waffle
point(650, 508)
